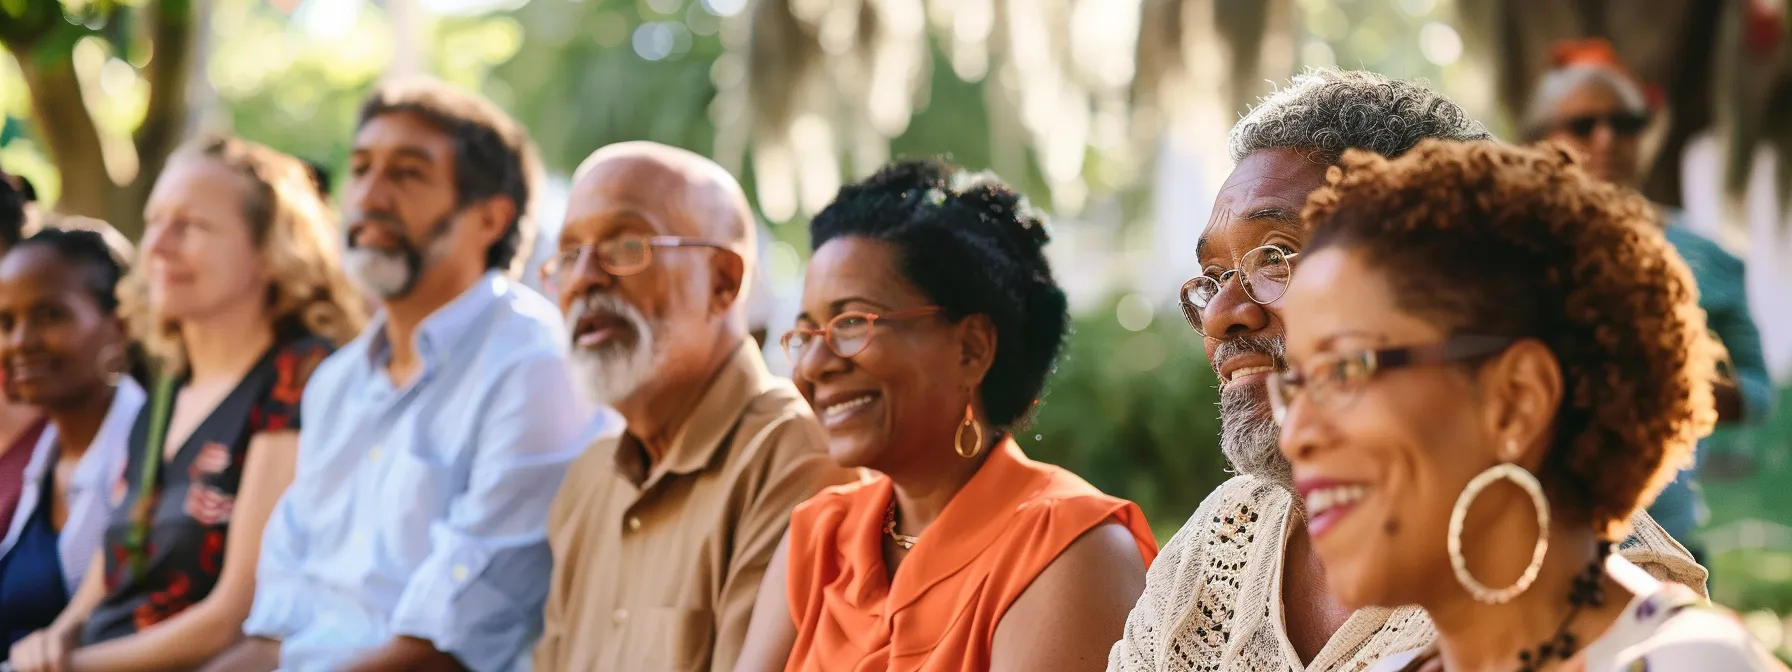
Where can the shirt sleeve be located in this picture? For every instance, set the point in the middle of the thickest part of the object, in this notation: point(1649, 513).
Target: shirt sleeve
point(479, 593)
point(794, 464)
point(280, 602)
point(1168, 575)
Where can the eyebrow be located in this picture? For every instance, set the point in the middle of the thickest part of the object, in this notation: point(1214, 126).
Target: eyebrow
point(838, 304)
point(1281, 217)
point(411, 151)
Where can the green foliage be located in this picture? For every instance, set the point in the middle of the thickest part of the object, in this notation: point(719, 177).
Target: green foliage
point(1134, 413)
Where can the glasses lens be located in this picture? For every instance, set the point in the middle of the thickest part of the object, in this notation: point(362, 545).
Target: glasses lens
point(1281, 393)
point(1581, 127)
point(851, 332)
point(795, 344)
point(625, 254)
point(1266, 271)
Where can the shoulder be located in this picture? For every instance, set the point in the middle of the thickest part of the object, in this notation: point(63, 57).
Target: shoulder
point(1701, 253)
point(833, 502)
point(297, 358)
point(1651, 548)
point(526, 310)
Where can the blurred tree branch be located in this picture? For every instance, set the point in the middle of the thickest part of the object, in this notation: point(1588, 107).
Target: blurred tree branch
point(41, 36)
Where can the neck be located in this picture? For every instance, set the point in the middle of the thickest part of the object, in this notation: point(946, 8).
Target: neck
point(224, 346)
point(660, 408)
point(79, 422)
point(1477, 636)
point(441, 285)
point(923, 491)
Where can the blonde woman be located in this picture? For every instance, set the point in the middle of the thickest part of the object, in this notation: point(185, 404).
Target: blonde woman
point(238, 295)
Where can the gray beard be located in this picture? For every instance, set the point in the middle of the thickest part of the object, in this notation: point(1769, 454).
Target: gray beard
point(1249, 436)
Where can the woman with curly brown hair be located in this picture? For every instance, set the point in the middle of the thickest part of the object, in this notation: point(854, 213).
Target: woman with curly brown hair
point(238, 295)
point(1495, 359)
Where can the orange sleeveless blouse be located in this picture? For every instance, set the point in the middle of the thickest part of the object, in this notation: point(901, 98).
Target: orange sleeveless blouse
point(941, 610)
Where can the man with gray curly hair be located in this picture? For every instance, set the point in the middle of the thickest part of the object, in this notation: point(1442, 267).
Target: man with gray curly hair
point(1239, 586)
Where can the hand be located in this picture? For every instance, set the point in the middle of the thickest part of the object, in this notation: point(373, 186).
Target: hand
point(46, 650)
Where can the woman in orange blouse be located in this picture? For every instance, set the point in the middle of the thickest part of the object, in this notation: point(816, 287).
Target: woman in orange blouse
point(930, 322)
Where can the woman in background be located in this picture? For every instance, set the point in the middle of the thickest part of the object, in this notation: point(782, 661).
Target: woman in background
point(20, 424)
point(1494, 359)
point(239, 295)
point(930, 321)
point(65, 351)
point(1591, 103)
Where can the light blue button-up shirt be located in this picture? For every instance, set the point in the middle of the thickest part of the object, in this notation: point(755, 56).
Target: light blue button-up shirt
point(422, 511)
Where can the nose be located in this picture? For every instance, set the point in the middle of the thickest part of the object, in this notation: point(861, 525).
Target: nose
point(367, 192)
point(157, 241)
point(582, 276)
point(1302, 431)
point(1232, 312)
point(1603, 137)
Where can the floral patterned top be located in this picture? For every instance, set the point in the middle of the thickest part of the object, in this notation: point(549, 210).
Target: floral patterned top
point(184, 550)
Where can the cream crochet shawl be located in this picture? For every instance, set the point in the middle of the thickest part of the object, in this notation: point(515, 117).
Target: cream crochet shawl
point(1213, 597)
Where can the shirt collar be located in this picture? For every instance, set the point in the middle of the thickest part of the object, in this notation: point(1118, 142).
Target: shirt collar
point(740, 380)
point(443, 331)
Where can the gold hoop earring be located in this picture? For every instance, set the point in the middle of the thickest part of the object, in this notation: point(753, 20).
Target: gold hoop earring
point(1459, 514)
point(970, 421)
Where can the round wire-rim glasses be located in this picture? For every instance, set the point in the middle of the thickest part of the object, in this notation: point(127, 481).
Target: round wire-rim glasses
point(622, 255)
point(847, 335)
point(1263, 272)
point(1333, 380)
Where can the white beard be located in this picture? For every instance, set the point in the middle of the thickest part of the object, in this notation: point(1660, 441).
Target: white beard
point(387, 275)
point(609, 373)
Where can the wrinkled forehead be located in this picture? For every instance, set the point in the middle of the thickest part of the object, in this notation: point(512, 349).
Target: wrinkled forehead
point(1260, 204)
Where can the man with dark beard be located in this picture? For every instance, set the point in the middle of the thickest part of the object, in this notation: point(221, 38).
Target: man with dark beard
point(1239, 586)
point(413, 536)
point(662, 534)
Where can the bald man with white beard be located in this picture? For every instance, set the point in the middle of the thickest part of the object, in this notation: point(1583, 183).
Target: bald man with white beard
point(661, 535)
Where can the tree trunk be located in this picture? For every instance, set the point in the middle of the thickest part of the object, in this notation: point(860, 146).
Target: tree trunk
point(62, 123)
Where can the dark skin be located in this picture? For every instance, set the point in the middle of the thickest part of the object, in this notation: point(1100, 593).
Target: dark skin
point(688, 294)
point(1260, 204)
point(919, 374)
point(53, 326)
point(404, 168)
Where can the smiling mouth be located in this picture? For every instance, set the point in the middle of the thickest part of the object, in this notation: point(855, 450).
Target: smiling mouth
point(596, 329)
point(1327, 506)
point(838, 412)
point(1242, 372)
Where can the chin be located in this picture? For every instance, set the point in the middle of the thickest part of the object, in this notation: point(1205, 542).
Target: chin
point(853, 449)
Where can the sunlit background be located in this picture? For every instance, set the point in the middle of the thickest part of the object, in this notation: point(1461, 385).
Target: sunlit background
point(1109, 114)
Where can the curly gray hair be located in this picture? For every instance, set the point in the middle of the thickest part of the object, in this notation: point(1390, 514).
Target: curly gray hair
point(1326, 111)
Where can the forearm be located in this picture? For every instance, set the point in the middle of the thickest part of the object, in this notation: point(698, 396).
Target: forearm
point(407, 654)
point(254, 654)
point(86, 598)
point(184, 642)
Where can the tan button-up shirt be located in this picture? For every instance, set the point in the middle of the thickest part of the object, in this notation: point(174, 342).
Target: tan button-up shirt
point(656, 566)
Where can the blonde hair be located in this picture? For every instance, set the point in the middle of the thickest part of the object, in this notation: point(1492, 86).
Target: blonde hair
point(295, 234)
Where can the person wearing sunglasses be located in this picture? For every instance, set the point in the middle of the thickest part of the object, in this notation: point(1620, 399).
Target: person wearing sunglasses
point(1240, 586)
point(1483, 388)
point(930, 320)
point(1592, 103)
point(662, 532)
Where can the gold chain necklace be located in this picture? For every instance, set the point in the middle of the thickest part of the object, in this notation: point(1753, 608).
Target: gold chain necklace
point(905, 541)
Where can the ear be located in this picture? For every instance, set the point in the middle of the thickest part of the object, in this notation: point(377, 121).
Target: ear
point(727, 273)
point(493, 220)
point(1524, 387)
point(976, 348)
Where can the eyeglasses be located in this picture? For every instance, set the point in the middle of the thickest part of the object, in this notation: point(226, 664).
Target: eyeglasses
point(1621, 123)
point(847, 335)
point(1263, 272)
point(1332, 381)
point(622, 255)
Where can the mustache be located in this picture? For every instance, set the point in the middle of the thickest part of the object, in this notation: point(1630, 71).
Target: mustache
point(602, 304)
point(386, 222)
point(1272, 347)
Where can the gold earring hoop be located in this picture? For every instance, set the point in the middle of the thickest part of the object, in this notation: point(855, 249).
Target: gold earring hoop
point(970, 421)
point(114, 363)
point(1459, 515)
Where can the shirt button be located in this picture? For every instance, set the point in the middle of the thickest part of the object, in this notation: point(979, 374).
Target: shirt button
point(374, 454)
point(634, 523)
point(460, 572)
point(620, 616)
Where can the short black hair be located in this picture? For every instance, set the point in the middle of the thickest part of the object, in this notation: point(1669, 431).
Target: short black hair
point(15, 192)
point(973, 246)
point(492, 154)
point(89, 250)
